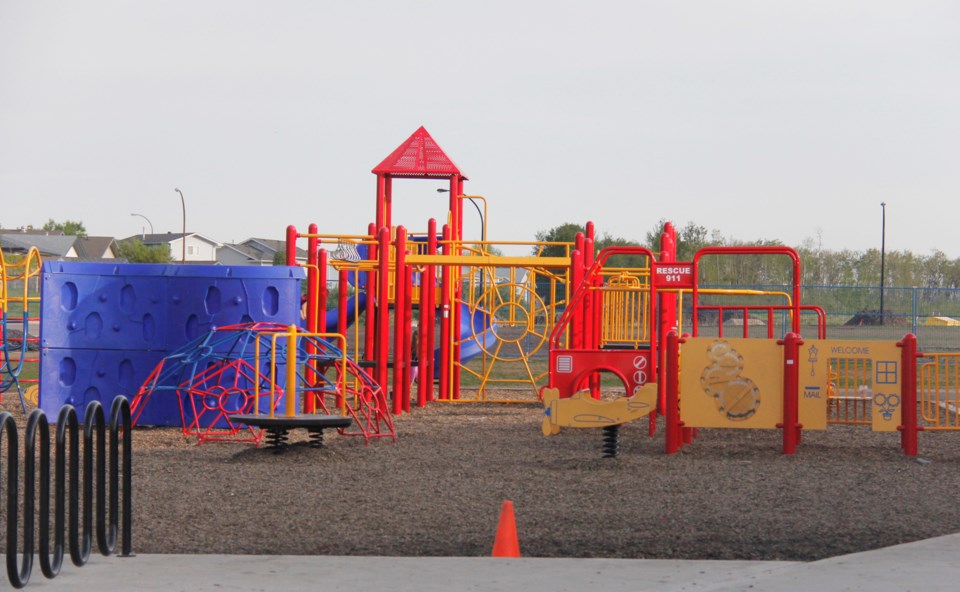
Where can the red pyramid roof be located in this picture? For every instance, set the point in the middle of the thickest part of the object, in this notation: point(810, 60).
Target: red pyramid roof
point(419, 156)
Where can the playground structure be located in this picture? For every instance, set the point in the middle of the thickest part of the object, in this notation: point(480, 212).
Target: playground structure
point(485, 320)
point(19, 309)
point(564, 325)
point(729, 382)
point(480, 316)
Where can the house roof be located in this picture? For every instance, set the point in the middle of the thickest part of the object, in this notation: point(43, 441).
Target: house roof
point(418, 156)
point(93, 247)
point(167, 238)
point(34, 231)
point(247, 252)
point(51, 246)
point(270, 246)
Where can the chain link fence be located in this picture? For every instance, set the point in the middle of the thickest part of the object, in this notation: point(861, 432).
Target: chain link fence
point(932, 314)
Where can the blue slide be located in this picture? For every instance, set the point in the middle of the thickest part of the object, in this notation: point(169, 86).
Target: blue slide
point(476, 324)
point(355, 303)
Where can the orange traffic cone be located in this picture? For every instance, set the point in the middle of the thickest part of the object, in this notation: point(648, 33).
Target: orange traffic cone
point(506, 544)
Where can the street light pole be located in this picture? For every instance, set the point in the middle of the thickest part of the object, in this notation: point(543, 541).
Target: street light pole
point(183, 204)
point(483, 226)
point(883, 251)
point(147, 219)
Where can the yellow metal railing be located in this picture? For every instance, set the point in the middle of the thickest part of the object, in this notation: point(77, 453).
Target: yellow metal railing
point(626, 302)
point(849, 391)
point(20, 273)
point(513, 325)
point(292, 378)
point(940, 392)
point(16, 301)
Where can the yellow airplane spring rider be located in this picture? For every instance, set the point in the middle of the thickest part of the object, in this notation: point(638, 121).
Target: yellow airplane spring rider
point(583, 411)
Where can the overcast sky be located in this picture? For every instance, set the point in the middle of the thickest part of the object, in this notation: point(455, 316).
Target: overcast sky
point(764, 119)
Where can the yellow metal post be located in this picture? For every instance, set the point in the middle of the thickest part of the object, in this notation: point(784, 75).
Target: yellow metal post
point(291, 402)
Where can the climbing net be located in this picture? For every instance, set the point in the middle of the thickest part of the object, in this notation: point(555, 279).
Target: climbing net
point(231, 371)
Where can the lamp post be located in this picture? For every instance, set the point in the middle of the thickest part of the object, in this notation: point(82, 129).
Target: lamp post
point(147, 219)
point(883, 251)
point(472, 198)
point(183, 204)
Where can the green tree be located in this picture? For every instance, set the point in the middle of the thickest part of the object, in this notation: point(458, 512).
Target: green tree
point(135, 251)
point(629, 261)
point(693, 237)
point(68, 227)
point(565, 233)
point(690, 238)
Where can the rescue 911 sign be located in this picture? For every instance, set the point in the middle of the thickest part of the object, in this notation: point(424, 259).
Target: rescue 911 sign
point(674, 275)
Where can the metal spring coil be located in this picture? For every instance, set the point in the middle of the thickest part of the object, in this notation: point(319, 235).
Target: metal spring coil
point(277, 439)
point(611, 441)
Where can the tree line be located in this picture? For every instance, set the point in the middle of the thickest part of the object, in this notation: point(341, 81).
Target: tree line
point(819, 267)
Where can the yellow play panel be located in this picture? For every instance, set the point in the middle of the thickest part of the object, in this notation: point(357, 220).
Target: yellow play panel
point(731, 383)
point(881, 385)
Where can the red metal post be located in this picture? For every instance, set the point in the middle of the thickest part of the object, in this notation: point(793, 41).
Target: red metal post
point(369, 352)
point(791, 392)
point(399, 330)
point(428, 315)
point(408, 334)
point(454, 209)
point(908, 396)
point(388, 202)
point(313, 294)
point(445, 321)
point(588, 301)
point(383, 307)
point(322, 291)
point(575, 339)
point(292, 245)
point(457, 181)
point(456, 184)
point(668, 314)
point(319, 311)
point(592, 312)
point(674, 425)
point(576, 278)
point(380, 218)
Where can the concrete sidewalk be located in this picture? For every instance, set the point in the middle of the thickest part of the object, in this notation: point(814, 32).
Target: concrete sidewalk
point(928, 565)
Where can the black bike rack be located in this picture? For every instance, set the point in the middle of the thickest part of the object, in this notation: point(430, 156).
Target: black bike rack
point(67, 486)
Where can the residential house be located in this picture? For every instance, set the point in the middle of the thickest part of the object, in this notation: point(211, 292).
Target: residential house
point(238, 255)
point(56, 246)
point(95, 248)
point(197, 249)
point(256, 251)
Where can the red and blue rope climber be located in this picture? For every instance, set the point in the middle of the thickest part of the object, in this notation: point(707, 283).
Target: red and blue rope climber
point(215, 377)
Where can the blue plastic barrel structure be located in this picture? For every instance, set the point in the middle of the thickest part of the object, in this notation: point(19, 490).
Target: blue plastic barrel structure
point(105, 326)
